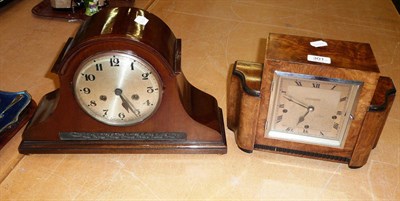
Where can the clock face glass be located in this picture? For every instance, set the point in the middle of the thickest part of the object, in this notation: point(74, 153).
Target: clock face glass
point(311, 110)
point(117, 88)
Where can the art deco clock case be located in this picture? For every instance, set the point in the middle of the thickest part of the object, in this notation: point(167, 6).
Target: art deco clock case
point(122, 91)
point(314, 98)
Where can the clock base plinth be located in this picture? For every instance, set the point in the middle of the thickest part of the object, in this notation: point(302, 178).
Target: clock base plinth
point(111, 147)
point(42, 136)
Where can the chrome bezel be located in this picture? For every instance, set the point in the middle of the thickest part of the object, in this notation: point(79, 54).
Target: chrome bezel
point(296, 137)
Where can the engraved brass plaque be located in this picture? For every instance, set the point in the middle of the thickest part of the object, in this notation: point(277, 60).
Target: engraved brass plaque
point(148, 136)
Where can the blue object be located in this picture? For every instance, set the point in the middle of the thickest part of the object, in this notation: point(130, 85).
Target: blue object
point(11, 106)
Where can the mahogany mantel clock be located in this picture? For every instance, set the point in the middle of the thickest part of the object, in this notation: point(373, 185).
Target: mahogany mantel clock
point(313, 98)
point(122, 91)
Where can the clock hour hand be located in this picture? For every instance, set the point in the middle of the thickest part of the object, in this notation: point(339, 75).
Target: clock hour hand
point(302, 118)
point(126, 103)
point(291, 99)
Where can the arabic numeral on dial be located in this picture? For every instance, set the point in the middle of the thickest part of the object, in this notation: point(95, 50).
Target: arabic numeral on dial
point(114, 61)
point(105, 113)
point(85, 90)
point(121, 116)
point(148, 103)
point(145, 76)
point(151, 90)
point(99, 67)
point(92, 103)
point(89, 77)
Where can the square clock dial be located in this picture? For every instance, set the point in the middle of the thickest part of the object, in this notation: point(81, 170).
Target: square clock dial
point(310, 109)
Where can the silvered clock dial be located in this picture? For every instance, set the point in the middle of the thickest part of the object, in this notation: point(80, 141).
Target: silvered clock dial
point(310, 109)
point(117, 88)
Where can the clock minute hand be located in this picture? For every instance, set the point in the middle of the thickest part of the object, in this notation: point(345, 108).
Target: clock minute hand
point(131, 106)
point(125, 103)
point(291, 99)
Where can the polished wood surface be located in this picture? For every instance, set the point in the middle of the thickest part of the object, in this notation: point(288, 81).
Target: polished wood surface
point(183, 109)
point(374, 121)
point(344, 54)
point(349, 69)
point(243, 102)
point(288, 53)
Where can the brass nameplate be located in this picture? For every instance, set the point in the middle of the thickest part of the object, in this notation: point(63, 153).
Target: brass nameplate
point(148, 136)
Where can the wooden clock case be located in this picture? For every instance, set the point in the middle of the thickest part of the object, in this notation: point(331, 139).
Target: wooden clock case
point(187, 120)
point(249, 96)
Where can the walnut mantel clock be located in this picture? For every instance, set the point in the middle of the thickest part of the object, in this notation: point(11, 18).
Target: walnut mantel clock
point(313, 98)
point(122, 91)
